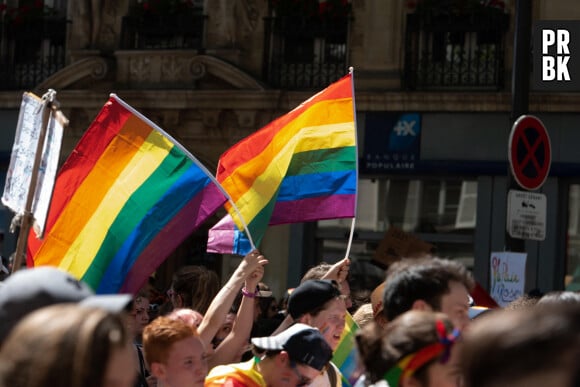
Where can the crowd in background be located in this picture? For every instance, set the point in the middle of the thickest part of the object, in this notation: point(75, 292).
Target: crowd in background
point(419, 327)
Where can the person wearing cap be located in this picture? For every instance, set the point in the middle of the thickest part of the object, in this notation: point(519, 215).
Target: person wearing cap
point(319, 304)
point(292, 358)
point(28, 290)
point(68, 345)
point(338, 272)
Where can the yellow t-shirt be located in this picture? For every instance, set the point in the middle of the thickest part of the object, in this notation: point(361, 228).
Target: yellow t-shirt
point(235, 375)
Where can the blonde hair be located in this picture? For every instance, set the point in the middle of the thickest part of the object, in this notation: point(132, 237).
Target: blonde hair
point(363, 315)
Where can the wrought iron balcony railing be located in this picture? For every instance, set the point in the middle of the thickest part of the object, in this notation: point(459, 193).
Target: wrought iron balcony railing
point(455, 52)
point(305, 53)
point(159, 32)
point(31, 51)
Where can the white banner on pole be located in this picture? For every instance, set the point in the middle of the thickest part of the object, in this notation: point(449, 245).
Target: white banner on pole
point(20, 171)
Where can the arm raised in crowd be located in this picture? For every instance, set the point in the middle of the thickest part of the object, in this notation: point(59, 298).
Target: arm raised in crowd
point(222, 302)
point(338, 271)
point(230, 349)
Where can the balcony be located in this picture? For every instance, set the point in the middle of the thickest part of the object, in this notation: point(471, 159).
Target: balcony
point(31, 51)
point(304, 53)
point(448, 51)
point(163, 32)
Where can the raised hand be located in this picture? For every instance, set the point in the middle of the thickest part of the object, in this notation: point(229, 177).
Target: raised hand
point(339, 271)
point(252, 261)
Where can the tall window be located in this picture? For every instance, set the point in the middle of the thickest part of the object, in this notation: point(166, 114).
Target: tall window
point(306, 43)
point(33, 38)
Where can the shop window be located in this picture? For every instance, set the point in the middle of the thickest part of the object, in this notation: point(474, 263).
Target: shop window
point(439, 211)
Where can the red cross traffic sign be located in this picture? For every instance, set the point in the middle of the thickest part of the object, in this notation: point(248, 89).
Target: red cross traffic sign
point(530, 152)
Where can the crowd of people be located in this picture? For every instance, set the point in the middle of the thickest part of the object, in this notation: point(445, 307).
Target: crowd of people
point(416, 329)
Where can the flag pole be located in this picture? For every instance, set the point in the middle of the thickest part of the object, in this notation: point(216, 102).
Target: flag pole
point(48, 106)
point(192, 157)
point(246, 229)
point(352, 224)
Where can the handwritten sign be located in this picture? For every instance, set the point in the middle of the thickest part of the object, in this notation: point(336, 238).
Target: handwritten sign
point(22, 159)
point(508, 274)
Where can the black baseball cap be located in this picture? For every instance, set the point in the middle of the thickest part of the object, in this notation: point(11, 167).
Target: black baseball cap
point(304, 345)
point(310, 295)
point(30, 289)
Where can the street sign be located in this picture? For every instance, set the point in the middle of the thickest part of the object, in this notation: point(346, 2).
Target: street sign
point(530, 152)
point(526, 215)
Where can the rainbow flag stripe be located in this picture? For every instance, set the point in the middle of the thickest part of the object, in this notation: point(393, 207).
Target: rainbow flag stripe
point(124, 200)
point(345, 354)
point(300, 167)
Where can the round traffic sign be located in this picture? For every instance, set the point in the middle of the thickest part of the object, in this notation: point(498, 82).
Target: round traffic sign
point(530, 152)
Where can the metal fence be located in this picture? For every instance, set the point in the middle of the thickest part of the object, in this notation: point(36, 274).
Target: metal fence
point(458, 52)
point(184, 31)
point(31, 51)
point(305, 53)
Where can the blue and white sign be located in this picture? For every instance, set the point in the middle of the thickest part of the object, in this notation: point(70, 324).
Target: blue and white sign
point(392, 141)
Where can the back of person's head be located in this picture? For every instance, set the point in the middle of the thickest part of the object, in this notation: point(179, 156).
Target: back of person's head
point(564, 297)
point(522, 302)
point(316, 272)
point(529, 347)
point(363, 315)
point(67, 345)
point(160, 335)
point(426, 279)
point(30, 289)
point(196, 286)
point(189, 316)
point(406, 346)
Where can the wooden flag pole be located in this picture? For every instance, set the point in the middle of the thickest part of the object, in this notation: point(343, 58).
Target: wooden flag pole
point(26, 220)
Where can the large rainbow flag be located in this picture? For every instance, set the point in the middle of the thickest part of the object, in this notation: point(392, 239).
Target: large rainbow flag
point(299, 168)
point(126, 197)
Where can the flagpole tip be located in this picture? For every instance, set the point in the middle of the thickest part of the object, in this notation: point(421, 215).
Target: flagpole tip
point(350, 70)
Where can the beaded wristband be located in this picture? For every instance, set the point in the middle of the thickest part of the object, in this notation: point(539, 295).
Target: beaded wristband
point(249, 294)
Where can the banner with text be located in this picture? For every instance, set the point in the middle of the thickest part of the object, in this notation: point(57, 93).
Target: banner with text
point(507, 276)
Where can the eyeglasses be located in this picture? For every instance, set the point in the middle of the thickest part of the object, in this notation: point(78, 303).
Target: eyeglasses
point(302, 380)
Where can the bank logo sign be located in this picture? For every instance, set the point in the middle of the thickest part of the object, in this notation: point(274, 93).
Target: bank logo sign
point(556, 53)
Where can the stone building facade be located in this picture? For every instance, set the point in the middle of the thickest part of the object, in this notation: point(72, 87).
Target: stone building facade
point(212, 93)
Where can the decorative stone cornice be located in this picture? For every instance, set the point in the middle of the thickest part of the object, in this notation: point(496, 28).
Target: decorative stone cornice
point(95, 67)
point(277, 101)
point(156, 69)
